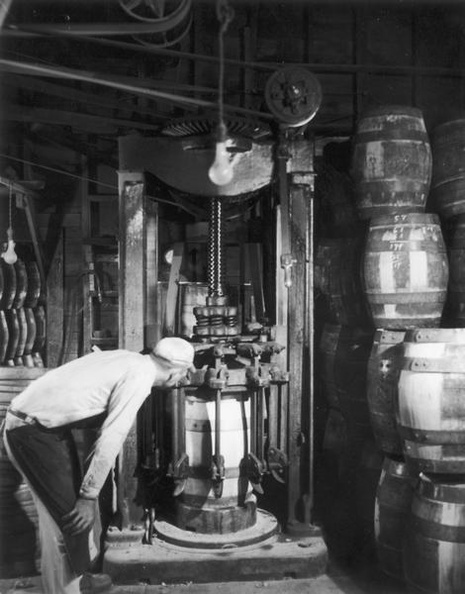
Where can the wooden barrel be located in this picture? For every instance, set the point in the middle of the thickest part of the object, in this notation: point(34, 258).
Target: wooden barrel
point(335, 198)
point(199, 508)
point(394, 496)
point(448, 183)
point(190, 295)
point(367, 477)
point(456, 290)
point(382, 377)
point(391, 162)
point(338, 279)
point(340, 476)
point(431, 412)
point(9, 284)
point(405, 271)
point(350, 375)
point(327, 357)
point(434, 548)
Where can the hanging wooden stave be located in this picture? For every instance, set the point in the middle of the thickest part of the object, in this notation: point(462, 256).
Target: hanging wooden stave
point(21, 284)
point(28, 361)
point(4, 336)
point(39, 343)
point(22, 325)
point(13, 336)
point(2, 284)
point(9, 288)
point(33, 284)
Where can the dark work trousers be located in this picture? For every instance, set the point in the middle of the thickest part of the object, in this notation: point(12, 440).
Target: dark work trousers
point(49, 460)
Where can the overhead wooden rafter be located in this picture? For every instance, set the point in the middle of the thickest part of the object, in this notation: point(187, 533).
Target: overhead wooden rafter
point(113, 82)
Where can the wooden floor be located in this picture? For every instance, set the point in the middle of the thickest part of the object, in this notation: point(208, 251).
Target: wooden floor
point(338, 580)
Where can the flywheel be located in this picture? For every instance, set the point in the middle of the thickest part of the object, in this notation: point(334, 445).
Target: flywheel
point(293, 95)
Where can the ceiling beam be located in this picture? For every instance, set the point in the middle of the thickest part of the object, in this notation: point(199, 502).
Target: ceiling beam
point(91, 123)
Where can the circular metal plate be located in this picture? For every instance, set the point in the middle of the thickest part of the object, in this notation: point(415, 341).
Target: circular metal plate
point(293, 95)
point(265, 527)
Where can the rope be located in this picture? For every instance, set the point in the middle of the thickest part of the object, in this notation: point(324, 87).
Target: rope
point(225, 15)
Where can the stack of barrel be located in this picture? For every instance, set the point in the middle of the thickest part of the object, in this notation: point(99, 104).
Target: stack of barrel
point(344, 332)
point(416, 372)
point(22, 314)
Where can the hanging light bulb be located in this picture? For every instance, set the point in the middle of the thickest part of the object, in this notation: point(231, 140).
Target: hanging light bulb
point(221, 171)
point(9, 255)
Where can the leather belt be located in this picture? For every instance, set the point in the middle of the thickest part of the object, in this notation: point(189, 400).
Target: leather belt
point(23, 416)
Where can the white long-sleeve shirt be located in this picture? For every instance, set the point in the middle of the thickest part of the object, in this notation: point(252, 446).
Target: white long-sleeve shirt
point(112, 382)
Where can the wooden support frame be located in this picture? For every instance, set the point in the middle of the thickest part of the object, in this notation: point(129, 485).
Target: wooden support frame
point(295, 219)
point(132, 308)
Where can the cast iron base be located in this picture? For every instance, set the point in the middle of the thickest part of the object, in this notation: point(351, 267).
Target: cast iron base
point(276, 557)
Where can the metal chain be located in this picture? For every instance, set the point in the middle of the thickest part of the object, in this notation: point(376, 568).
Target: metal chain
point(215, 249)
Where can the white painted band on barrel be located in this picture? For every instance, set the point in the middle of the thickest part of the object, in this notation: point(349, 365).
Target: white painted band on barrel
point(432, 453)
point(387, 266)
point(451, 578)
point(374, 160)
point(419, 400)
point(418, 262)
point(234, 435)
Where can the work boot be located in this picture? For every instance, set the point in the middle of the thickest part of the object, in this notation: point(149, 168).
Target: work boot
point(92, 583)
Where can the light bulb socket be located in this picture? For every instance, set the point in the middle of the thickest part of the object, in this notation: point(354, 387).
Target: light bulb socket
point(221, 132)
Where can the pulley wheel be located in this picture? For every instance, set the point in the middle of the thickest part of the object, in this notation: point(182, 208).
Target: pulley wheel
point(293, 95)
point(172, 19)
point(168, 12)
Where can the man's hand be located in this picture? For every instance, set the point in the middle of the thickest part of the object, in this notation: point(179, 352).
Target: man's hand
point(80, 518)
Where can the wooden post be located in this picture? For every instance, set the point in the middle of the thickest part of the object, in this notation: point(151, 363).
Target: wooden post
point(300, 337)
point(152, 324)
point(132, 291)
point(55, 306)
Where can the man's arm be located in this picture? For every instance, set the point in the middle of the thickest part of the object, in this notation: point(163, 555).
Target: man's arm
point(125, 400)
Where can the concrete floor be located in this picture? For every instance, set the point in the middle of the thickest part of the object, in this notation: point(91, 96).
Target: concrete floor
point(337, 580)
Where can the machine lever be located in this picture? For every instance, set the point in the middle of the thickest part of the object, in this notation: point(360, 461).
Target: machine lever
point(218, 475)
point(149, 521)
point(277, 462)
point(255, 472)
point(180, 473)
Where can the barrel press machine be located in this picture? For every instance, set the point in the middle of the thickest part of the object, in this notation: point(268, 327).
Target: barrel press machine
point(239, 432)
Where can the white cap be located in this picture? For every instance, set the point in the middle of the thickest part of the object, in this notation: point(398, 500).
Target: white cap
point(175, 352)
